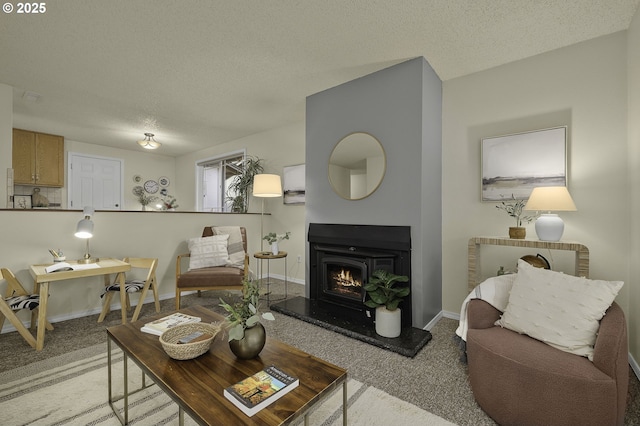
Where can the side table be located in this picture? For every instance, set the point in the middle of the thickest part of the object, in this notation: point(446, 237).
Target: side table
point(268, 256)
point(581, 259)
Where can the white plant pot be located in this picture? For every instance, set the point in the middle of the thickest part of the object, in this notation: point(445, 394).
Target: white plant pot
point(388, 323)
point(274, 248)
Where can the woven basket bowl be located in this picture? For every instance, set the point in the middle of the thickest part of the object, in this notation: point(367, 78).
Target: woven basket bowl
point(169, 340)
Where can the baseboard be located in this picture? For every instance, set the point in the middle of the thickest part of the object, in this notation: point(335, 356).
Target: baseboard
point(289, 279)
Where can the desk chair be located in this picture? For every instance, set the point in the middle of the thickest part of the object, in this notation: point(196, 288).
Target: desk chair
point(17, 298)
point(134, 286)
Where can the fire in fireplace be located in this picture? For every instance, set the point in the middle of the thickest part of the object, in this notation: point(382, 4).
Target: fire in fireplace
point(343, 278)
point(342, 257)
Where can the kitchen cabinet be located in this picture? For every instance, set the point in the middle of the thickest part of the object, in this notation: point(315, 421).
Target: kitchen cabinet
point(38, 159)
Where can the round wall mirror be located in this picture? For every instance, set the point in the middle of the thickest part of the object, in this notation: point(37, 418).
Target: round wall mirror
point(357, 166)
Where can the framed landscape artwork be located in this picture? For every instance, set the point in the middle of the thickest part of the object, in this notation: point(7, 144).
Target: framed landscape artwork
point(293, 184)
point(515, 164)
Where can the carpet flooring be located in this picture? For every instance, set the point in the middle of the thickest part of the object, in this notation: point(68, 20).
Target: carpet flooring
point(69, 389)
point(434, 380)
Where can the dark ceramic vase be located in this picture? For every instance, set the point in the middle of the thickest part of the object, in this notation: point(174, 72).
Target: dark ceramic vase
point(251, 344)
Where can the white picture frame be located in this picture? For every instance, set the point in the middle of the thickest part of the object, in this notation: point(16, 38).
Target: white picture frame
point(515, 164)
point(293, 185)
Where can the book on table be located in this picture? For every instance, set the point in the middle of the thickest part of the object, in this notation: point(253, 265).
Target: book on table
point(161, 325)
point(255, 392)
point(64, 266)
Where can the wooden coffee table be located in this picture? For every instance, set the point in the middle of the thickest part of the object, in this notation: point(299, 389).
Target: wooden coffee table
point(197, 385)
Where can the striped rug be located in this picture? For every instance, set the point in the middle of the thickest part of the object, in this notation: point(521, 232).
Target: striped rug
point(72, 389)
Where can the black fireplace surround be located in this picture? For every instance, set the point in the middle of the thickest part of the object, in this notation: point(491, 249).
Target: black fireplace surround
point(343, 257)
point(341, 260)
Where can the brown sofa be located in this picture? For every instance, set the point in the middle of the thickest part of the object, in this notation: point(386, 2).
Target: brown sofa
point(521, 381)
point(213, 278)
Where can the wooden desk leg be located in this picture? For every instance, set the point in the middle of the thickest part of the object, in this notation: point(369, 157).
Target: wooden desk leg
point(42, 315)
point(123, 297)
point(34, 313)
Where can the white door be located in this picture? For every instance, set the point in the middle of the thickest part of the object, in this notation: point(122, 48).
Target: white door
point(94, 181)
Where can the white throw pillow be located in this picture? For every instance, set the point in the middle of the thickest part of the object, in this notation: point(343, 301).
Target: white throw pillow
point(208, 251)
point(234, 245)
point(559, 309)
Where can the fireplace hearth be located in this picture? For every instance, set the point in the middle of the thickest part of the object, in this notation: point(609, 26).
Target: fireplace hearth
point(341, 259)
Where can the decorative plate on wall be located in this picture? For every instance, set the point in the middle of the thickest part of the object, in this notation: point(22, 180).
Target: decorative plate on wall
point(163, 181)
point(137, 178)
point(137, 190)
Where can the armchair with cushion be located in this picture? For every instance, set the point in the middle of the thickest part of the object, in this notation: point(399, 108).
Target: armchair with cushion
point(521, 380)
point(217, 261)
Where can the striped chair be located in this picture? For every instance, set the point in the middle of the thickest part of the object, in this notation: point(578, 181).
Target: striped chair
point(16, 298)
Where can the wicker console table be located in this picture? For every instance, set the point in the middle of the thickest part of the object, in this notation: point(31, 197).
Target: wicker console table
point(582, 253)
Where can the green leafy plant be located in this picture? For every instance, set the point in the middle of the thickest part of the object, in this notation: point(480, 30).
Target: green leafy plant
point(515, 210)
point(272, 237)
point(238, 190)
point(245, 313)
point(382, 290)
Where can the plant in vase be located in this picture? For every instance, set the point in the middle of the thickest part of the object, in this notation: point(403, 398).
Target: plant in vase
point(515, 210)
point(143, 198)
point(385, 295)
point(273, 239)
point(246, 335)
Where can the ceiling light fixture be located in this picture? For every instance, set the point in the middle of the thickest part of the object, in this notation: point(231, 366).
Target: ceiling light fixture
point(149, 142)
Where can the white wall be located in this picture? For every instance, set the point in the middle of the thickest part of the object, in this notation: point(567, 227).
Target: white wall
point(633, 118)
point(147, 164)
point(6, 136)
point(582, 86)
point(26, 236)
point(279, 148)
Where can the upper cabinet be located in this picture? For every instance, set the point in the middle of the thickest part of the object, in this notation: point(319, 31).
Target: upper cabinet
point(38, 158)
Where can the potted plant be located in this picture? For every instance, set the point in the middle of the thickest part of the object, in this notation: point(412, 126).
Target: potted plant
point(246, 335)
point(238, 190)
point(385, 296)
point(273, 239)
point(514, 209)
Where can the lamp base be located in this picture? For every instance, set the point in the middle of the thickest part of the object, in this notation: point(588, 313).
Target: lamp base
point(89, 259)
point(549, 227)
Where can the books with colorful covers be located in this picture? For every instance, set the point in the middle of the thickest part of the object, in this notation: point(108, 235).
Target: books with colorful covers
point(161, 325)
point(263, 388)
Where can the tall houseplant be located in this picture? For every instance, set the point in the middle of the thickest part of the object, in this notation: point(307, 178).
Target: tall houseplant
point(246, 335)
point(238, 190)
point(385, 295)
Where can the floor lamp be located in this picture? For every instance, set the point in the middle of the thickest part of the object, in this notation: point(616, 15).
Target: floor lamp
point(266, 186)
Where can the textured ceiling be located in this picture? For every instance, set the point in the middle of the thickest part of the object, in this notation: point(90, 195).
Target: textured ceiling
point(203, 72)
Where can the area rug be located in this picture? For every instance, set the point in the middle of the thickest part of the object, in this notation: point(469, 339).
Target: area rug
point(72, 389)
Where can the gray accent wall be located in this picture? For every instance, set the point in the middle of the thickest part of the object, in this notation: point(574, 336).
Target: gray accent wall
point(402, 107)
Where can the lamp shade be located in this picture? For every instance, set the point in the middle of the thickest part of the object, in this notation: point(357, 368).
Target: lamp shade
point(84, 229)
point(550, 198)
point(266, 185)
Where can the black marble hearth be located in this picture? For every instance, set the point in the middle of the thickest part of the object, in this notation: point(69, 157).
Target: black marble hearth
point(349, 323)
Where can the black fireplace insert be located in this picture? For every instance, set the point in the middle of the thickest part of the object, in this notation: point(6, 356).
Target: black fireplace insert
point(343, 257)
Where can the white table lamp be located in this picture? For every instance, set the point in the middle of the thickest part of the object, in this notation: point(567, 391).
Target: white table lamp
point(266, 186)
point(549, 226)
point(84, 230)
